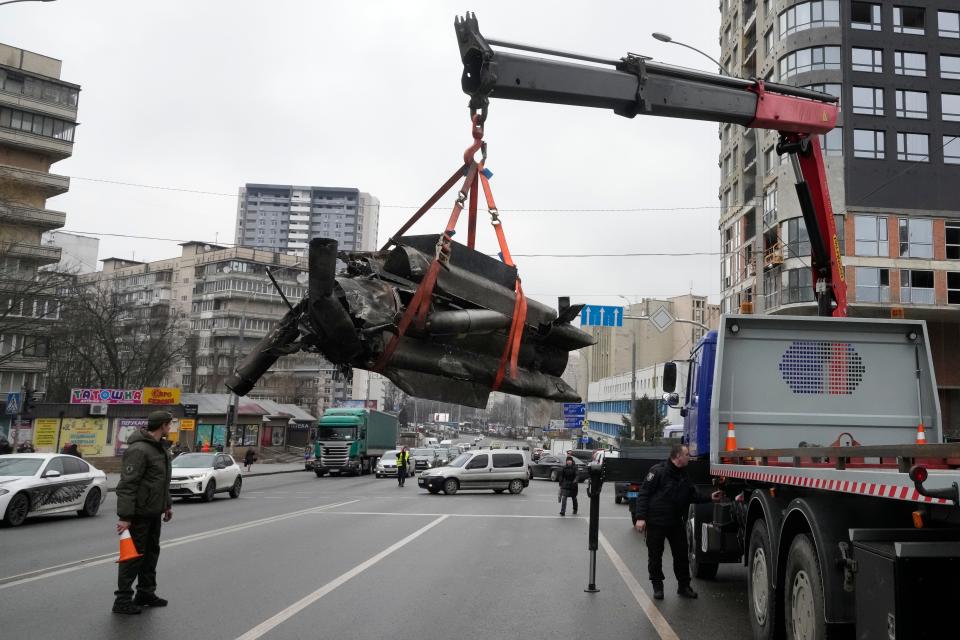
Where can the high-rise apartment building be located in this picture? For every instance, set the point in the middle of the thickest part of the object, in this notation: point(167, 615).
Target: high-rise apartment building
point(38, 116)
point(893, 163)
point(283, 218)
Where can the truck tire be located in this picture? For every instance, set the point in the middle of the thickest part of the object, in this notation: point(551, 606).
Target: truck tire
point(318, 472)
point(698, 568)
point(761, 597)
point(803, 592)
point(450, 486)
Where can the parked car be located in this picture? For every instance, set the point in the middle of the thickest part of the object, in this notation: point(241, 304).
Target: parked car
point(549, 465)
point(202, 475)
point(500, 470)
point(47, 483)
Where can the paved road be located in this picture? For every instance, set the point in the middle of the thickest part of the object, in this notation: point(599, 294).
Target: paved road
point(300, 557)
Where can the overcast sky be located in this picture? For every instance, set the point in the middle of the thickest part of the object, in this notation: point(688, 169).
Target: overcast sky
point(210, 95)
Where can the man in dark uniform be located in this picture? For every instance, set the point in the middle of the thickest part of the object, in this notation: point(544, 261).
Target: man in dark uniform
point(143, 499)
point(662, 505)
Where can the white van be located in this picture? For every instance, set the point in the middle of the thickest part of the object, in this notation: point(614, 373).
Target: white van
point(431, 442)
point(446, 443)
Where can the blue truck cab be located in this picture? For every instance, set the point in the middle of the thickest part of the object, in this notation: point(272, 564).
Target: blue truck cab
point(698, 396)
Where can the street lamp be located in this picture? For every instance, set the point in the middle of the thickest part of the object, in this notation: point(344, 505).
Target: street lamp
point(662, 37)
point(633, 376)
point(12, 1)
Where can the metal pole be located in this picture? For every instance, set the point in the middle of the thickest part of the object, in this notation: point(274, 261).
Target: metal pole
point(633, 385)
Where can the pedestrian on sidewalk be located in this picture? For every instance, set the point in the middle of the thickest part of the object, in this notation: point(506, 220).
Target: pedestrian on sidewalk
point(143, 500)
point(662, 505)
point(568, 486)
point(26, 447)
point(206, 447)
point(403, 460)
point(249, 458)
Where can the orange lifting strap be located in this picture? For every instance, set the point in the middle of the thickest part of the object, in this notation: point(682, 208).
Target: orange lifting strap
point(420, 304)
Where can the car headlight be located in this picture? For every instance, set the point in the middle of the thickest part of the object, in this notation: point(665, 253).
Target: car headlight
point(199, 476)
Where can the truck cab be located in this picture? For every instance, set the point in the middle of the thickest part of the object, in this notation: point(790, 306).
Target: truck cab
point(695, 407)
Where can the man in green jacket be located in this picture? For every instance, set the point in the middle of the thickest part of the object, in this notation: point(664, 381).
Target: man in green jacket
point(143, 499)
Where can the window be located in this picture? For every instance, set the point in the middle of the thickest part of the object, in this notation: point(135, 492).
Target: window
point(812, 59)
point(865, 15)
point(55, 464)
point(949, 24)
point(795, 238)
point(73, 466)
point(951, 106)
point(916, 238)
point(868, 101)
point(868, 60)
point(810, 15)
point(771, 159)
point(768, 41)
point(953, 240)
point(917, 287)
point(797, 286)
point(950, 67)
point(831, 142)
point(913, 147)
point(868, 143)
point(906, 63)
point(478, 462)
point(830, 88)
point(36, 124)
point(870, 234)
point(953, 287)
point(911, 104)
point(951, 149)
point(873, 285)
point(770, 206)
point(507, 460)
point(908, 20)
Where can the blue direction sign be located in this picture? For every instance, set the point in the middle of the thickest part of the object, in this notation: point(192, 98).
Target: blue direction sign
point(585, 439)
point(13, 404)
point(573, 422)
point(594, 315)
point(572, 409)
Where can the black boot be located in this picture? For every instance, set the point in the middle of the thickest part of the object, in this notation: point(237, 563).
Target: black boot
point(684, 591)
point(149, 600)
point(658, 591)
point(126, 607)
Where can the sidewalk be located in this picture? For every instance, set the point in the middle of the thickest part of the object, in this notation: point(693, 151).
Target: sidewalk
point(259, 469)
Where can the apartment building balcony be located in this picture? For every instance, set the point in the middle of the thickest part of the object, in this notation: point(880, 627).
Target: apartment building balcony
point(46, 184)
point(51, 147)
point(44, 219)
point(44, 255)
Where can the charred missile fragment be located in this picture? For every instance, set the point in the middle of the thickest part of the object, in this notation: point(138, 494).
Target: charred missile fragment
point(350, 317)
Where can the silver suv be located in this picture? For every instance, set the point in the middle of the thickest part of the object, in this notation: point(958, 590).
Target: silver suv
point(500, 470)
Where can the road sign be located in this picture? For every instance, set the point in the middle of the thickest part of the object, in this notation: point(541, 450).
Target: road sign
point(661, 319)
point(584, 440)
point(575, 422)
point(573, 409)
point(595, 315)
point(13, 404)
point(190, 410)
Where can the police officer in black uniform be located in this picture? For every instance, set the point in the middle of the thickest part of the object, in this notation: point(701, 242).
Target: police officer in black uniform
point(662, 505)
point(143, 500)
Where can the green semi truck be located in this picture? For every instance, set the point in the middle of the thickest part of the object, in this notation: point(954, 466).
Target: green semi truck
point(352, 440)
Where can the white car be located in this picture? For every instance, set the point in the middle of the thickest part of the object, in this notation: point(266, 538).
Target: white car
point(387, 464)
point(202, 475)
point(47, 483)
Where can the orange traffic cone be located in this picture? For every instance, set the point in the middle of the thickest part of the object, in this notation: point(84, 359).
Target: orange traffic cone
point(128, 550)
point(731, 438)
point(921, 435)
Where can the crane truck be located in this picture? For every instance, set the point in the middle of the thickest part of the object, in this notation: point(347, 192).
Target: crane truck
point(810, 424)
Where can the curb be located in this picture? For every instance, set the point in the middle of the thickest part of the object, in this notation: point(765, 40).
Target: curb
point(249, 475)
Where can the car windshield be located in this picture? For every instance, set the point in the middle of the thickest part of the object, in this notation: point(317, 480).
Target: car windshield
point(460, 460)
point(426, 453)
point(11, 466)
point(390, 456)
point(195, 460)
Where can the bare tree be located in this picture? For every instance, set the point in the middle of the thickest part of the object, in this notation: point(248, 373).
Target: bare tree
point(106, 341)
point(29, 304)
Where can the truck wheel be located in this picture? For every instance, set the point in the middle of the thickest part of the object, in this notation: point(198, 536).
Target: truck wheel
point(617, 499)
point(803, 597)
point(760, 594)
point(450, 486)
point(516, 486)
point(318, 472)
point(698, 568)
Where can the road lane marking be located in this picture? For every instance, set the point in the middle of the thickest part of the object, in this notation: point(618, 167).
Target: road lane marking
point(49, 572)
point(583, 518)
point(298, 606)
point(660, 624)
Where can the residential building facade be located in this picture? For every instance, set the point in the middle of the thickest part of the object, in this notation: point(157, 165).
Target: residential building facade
point(893, 164)
point(283, 218)
point(610, 401)
point(78, 254)
point(38, 118)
